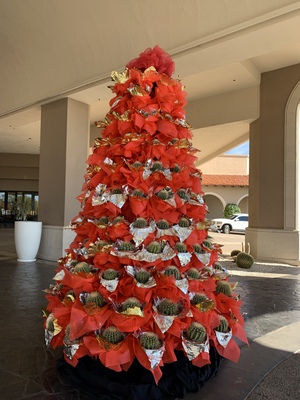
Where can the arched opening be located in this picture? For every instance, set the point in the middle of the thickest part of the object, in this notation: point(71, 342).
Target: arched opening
point(291, 163)
point(215, 205)
point(243, 204)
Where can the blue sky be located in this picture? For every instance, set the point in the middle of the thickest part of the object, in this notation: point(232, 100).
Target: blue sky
point(242, 149)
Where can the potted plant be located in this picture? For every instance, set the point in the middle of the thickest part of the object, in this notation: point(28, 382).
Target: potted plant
point(27, 235)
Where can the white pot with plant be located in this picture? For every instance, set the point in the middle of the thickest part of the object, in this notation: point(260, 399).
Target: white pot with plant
point(27, 236)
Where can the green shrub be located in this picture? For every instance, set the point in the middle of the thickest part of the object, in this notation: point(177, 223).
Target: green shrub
point(230, 210)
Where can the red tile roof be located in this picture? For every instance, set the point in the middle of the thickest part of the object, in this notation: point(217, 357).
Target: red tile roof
point(225, 180)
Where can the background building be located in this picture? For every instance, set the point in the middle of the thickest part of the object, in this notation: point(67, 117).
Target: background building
point(225, 180)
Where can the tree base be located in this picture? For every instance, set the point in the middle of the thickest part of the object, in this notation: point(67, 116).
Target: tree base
point(101, 383)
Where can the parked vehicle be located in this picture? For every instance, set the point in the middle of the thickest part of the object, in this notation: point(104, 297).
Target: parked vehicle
point(237, 223)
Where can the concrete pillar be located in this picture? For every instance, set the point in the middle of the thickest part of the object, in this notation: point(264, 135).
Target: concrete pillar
point(63, 153)
point(273, 231)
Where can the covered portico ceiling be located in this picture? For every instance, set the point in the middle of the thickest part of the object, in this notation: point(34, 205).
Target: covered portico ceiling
point(55, 49)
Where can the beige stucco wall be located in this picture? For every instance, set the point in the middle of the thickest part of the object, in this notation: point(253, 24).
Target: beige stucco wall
point(226, 165)
point(19, 172)
point(266, 185)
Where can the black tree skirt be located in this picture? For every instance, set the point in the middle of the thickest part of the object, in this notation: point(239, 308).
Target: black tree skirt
point(101, 383)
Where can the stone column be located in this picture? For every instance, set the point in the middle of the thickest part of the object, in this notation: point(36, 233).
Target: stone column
point(273, 231)
point(63, 153)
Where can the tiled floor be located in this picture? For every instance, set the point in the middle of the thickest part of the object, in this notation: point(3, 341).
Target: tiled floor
point(271, 300)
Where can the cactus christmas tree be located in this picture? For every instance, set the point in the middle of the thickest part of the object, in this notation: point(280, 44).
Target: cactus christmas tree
point(126, 288)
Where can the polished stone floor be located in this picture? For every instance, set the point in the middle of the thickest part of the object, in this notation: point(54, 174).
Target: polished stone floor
point(271, 303)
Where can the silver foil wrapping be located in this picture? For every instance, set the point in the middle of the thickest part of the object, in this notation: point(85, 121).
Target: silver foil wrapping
point(117, 199)
point(164, 322)
point(183, 233)
point(193, 349)
point(155, 356)
point(184, 258)
point(99, 195)
point(151, 282)
point(59, 276)
point(140, 234)
point(144, 255)
point(204, 258)
point(162, 232)
point(109, 284)
point(198, 202)
point(182, 284)
point(224, 338)
point(71, 348)
point(48, 337)
point(171, 201)
point(147, 171)
point(221, 274)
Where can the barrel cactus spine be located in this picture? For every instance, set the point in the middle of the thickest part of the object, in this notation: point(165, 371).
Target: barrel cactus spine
point(110, 274)
point(95, 298)
point(104, 220)
point(196, 332)
point(176, 168)
point(137, 164)
point(180, 247)
point(142, 276)
point(184, 222)
point(82, 267)
point(172, 270)
point(244, 260)
point(138, 193)
point(218, 265)
point(162, 224)
point(207, 243)
point(224, 287)
point(117, 191)
point(149, 341)
point(198, 298)
point(223, 325)
point(117, 220)
point(157, 166)
point(182, 193)
point(125, 246)
point(131, 302)
point(168, 307)
point(163, 194)
point(198, 248)
point(155, 247)
point(112, 335)
point(234, 253)
point(193, 273)
point(140, 223)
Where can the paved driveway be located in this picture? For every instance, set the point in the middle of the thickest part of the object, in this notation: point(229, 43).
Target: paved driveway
point(232, 241)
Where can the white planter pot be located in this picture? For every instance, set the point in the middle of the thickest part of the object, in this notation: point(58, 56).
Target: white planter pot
point(27, 239)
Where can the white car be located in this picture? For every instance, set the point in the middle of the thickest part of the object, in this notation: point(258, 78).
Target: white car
point(237, 223)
